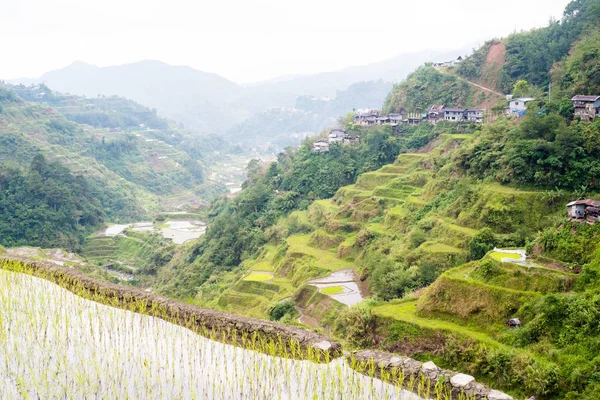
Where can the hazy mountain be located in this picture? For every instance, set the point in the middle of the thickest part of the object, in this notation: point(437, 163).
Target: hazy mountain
point(327, 83)
point(195, 98)
point(207, 102)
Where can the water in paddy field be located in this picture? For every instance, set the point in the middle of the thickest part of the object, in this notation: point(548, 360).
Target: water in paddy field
point(346, 280)
point(180, 231)
point(55, 344)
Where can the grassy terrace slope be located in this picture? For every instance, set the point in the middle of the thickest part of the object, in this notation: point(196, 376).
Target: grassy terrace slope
point(466, 308)
point(410, 211)
point(415, 223)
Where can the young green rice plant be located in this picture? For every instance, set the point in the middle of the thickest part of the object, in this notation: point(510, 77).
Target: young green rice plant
point(90, 343)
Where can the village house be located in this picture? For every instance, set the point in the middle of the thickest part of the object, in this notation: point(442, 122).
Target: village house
point(321, 146)
point(383, 120)
point(395, 118)
point(366, 117)
point(463, 114)
point(453, 114)
point(518, 107)
point(474, 115)
point(449, 63)
point(435, 114)
point(413, 119)
point(336, 135)
point(586, 107)
point(584, 210)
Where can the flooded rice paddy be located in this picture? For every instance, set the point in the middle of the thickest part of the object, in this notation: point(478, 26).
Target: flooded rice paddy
point(341, 286)
point(180, 231)
point(55, 344)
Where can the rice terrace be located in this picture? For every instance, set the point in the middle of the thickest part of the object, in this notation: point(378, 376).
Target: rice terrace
point(88, 340)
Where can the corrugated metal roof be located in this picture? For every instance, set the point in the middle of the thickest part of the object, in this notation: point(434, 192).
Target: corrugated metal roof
point(586, 202)
point(581, 97)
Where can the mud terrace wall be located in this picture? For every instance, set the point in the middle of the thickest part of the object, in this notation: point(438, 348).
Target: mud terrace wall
point(191, 316)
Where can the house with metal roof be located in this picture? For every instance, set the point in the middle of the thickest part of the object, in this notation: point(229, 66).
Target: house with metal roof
point(453, 114)
point(586, 107)
point(584, 210)
point(435, 114)
point(336, 135)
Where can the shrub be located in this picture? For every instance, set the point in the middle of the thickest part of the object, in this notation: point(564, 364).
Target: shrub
point(481, 244)
point(279, 310)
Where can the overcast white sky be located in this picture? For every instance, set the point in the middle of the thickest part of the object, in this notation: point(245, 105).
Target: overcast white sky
point(249, 40)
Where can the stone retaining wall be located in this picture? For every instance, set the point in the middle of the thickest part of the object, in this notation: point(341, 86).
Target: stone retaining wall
point(456, 383)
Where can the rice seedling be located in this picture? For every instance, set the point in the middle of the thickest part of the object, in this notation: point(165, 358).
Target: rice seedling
point(61, 345)
point(79, 340)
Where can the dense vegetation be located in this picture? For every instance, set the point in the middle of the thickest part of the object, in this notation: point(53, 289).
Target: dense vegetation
point(46, 206)
point(531, 55)
point(426, 87)
point(544, 150)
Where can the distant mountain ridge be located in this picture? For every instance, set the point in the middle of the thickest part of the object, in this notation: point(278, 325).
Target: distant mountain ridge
point(209, 103)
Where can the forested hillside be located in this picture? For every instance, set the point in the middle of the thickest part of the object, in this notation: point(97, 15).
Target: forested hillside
point(45, 205)
point(124, 137)
point(532, 55)
point(426, 87)
point(108, 159)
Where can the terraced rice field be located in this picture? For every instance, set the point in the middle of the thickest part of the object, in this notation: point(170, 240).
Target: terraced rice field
point(259, 276)
point(76, 348)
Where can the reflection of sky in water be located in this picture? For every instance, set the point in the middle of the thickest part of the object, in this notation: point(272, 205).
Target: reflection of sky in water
point(180, 231)
point(75, 348)
point(346, 279)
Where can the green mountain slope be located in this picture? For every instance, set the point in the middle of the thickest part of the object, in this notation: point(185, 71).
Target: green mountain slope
point(129, 140)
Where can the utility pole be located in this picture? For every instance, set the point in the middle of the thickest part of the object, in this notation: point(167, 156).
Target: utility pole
point(549, 91)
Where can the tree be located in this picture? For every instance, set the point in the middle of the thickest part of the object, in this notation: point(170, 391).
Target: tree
point(279, 310)
point(481, 244)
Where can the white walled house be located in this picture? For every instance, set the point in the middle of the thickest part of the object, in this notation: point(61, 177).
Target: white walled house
point(518, 107)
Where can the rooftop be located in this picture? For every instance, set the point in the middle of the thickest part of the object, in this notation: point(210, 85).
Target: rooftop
point(581, 97)
point(586, 202)
point(523, 99)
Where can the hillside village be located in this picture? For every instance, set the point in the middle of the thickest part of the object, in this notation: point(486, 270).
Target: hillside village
point(585, 107)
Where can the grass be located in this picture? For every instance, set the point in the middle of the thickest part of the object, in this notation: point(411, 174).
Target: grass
point(440, 248)
point(499, 256)
point(258, 277)
point(507, 190)
point(325, 258)
point(332, 290)
point(407, 312)
point(262, 266)
point(458, 228)
point(416, 200)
